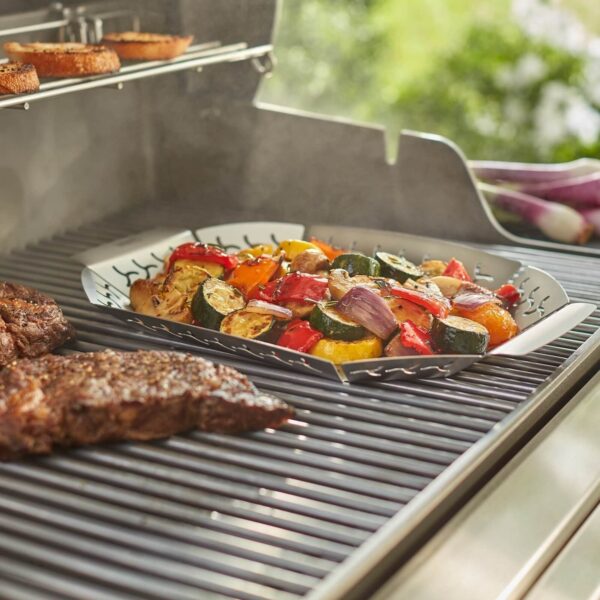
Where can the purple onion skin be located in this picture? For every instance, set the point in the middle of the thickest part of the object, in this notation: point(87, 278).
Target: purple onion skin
point(578, 192)
point(472, 300)
point(559, 222)
point(530, 173)
point(369, 310)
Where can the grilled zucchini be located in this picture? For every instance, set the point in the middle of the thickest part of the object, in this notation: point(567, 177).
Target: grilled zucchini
point(249, 325)
point(456, 335)
point(397, 267)
point(333, 324)
point(214, 300)
point(357, 264)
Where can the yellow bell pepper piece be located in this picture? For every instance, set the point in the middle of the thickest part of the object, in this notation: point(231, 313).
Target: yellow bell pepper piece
point(339, 352)
point(256, 251)
point(294, 247)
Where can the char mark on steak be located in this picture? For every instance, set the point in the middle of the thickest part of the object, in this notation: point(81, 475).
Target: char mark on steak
point(61, 401)
point(31, 323)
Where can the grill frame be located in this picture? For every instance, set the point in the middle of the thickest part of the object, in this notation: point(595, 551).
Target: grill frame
point(416, 408)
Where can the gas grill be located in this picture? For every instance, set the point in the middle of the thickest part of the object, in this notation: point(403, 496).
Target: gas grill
point(366, 473)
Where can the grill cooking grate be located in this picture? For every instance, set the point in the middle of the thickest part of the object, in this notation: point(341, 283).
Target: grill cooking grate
point(265, 515)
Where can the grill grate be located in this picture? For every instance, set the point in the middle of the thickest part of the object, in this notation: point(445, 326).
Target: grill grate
point(265, 515)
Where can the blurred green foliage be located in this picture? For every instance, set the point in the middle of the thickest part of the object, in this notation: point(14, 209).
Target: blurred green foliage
point(460, 68)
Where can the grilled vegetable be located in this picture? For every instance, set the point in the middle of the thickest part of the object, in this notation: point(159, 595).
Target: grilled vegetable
point(214, 300)
point(457, 270)
point(168, 296)
point(357, 264)
point(436, 304)
point(340, 283)
point(369, 310)
point(470, 300)
point(338, 351)
point(248, 276)
point(558, 222)
point(456, 335)
point(301, 287)
point(267, 308)
point(300, 310)
point(508, 294)
point(204, 253)
point(416, 338)
point(397, 267)
point(498, 321)
point(333, 324)
point(310, 261)
point(291, 248)
point(256, 251)
point(408, 311)
point(449, 286)
point(249, 325)
point(300, 336)
point(331, 252)
point(432, 268)
point(395, 347)
point(213, 269)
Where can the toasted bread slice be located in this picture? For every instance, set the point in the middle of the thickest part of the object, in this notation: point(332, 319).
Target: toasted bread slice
point(64, 60)
point(132, 45)
point(18, 78)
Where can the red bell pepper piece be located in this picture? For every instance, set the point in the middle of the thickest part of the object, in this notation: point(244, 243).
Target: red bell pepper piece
point(509, 294)
point(301, 287)
point(416, 338)
point(203, 253)
point(266, 292)
point(457, 270)
point(300, 336)
point(436, 305)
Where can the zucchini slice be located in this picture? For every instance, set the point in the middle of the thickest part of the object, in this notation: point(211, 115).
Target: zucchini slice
point(249, 325)
point(214, 269)
point(338, 351)
point(357, 264)
point(214, 300)
point(457, 335)
point(333, 324)
point(397, 267)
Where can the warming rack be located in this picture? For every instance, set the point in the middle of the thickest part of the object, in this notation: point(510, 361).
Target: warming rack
point(196, 58)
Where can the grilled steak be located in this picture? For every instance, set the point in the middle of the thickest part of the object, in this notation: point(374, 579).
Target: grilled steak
point(31, 323)
point(87, 398)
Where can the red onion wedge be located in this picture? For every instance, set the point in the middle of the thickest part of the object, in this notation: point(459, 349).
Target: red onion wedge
point(472, 300)
point(559, 222)
point(369, 310)
point(592, 216)
point(266, 308)
point(578, 192)
point(528, 173)
point(396, 348)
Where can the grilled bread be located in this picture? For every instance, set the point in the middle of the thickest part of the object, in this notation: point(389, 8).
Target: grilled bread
point(18, 78)
point(64, 60)
point(132, 45)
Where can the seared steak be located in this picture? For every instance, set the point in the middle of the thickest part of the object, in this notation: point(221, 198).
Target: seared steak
point(31, 323)
point(87, 398)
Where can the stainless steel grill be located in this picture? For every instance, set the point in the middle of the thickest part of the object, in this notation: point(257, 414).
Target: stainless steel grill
point(265, 515)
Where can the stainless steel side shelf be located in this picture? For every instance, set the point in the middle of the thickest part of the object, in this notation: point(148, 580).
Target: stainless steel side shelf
point(195, 58)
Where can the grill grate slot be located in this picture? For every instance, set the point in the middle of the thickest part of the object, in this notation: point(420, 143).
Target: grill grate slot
point(264, 515)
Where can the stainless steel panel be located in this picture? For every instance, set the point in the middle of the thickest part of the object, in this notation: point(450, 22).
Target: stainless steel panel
point(504, 539)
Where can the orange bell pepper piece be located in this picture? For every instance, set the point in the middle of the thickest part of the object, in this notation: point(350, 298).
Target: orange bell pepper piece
point(247, 276)
point(331, 252)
